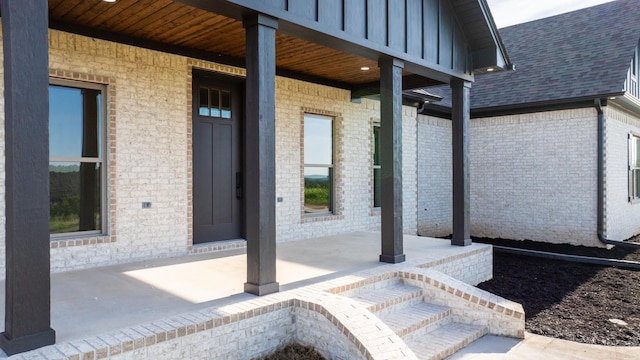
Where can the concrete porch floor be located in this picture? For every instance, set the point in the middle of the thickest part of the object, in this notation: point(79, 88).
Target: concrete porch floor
point(95, 301)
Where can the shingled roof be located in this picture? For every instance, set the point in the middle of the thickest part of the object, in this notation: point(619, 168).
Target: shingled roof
point(573, 56)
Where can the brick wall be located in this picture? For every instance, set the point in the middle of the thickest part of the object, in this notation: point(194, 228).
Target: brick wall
point(533, 176)
point(149, 153)
point(434, 176)
point(621, 216)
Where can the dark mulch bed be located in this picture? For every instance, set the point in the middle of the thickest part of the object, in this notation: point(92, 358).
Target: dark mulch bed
point(569, 300)
point(295, 352)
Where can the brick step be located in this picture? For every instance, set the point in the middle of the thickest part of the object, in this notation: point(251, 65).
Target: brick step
point(395, 295)
point(444, 341)
point(406, 320)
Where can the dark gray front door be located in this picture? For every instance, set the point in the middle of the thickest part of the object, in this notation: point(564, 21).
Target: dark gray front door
point(217, 160)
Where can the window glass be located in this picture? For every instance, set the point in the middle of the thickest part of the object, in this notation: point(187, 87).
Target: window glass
point(377, 172)
point(76, 162)
point(204, 102)
point(318, 139)
point(318, 159)
point(75, 122)
point(226, 104)
point(214, 103)
point(317, 189)
point(75, 197)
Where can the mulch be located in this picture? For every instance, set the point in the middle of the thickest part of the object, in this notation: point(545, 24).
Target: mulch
point(572, 301)
point(295, 352)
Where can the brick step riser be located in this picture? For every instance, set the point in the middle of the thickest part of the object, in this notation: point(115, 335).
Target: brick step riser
point(424, 326)
point(444, 352)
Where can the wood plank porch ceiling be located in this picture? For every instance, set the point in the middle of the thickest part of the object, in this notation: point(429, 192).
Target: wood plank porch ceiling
point(172, 23)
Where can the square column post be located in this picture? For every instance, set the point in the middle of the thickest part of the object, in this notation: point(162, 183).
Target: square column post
point(391, 159)
point(260, 155)
point(460, 117)
point(27, 321)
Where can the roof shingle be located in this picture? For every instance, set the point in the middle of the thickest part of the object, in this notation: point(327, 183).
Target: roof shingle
point(581, 54)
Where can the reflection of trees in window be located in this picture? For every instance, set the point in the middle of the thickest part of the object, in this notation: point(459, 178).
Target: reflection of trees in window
point(318, 164)
point(76, 158)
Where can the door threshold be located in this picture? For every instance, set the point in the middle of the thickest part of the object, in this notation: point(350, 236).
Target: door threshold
point(215, 246)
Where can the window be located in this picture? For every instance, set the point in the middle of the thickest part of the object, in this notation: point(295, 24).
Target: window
point(318, 164)
point(634, 167)
point(377, 190)
point(76, 157)
point(214, 103)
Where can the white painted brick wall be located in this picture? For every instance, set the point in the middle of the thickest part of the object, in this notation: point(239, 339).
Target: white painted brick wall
point(434, 176)
point(622, 217)
point(533, 176)
point(152, 93)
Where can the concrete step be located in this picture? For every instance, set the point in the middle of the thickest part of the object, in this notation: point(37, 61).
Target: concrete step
point(444, 341)
point(421, 316)
point(393, 296)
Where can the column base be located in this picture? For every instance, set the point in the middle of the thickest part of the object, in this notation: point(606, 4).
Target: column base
point(461, 242)
point(27, 343)
point(261, 290)
point(392, 259)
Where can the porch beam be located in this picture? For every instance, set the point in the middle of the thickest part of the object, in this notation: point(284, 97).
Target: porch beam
point(409, 82)
point(27, 321)
point(391, 159)
point(460, 117)
point(260, 160)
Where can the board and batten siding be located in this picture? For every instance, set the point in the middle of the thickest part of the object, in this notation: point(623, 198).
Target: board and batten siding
point(424, 32)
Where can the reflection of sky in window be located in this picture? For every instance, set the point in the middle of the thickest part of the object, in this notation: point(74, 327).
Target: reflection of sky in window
point(65, 121)
point(318, 139)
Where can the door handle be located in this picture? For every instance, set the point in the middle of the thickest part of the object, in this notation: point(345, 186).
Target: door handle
point(239, 185)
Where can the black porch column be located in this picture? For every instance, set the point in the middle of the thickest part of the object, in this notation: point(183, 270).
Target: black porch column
point(391, 159)
point(260, 158)
point(26, 96)
point(460, 117)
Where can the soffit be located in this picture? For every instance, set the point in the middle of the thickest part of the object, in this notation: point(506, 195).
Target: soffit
point(176, 24)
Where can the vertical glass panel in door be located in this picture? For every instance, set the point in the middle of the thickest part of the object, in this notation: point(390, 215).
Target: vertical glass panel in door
point(225, 104)
point(204, 102)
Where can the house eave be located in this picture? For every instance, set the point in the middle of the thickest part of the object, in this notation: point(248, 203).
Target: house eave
point(529, 108)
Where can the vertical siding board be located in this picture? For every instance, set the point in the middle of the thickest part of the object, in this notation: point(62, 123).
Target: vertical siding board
point(304, 8)
point(460, 51)
point(355, 16)
point(278, 4)
point(445, 51)
point(431, 25)
point(414, 27)
point(330, 13)
point(397, 24)
point(377, 21)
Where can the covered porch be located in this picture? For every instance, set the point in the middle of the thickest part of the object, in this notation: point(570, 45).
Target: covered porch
point(100, 311)
point(417, 44)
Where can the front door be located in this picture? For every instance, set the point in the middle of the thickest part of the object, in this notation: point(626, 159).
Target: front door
point(217, 158)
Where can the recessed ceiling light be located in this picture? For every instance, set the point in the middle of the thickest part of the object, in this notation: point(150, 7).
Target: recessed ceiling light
point(365, 68)
point(110, 1)
point(491, 69)
point(612, 98)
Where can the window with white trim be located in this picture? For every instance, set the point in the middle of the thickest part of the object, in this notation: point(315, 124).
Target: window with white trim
point(318, 164)
point(634, 167)
point(77, 171)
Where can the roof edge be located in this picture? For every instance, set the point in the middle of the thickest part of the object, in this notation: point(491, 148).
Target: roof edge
point(503, 61)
